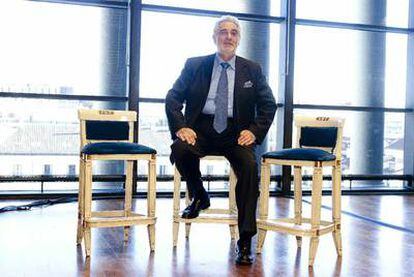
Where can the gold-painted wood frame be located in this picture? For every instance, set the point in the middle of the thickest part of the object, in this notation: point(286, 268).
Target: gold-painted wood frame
point(299, 226)
point(210, 215)
point(87, 218)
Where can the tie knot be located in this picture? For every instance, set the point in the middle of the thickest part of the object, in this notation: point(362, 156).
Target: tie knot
point(224, 65)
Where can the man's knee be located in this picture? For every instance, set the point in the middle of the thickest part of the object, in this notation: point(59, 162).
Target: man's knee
point(177, 144)
point(248, 163)
point(179, 149)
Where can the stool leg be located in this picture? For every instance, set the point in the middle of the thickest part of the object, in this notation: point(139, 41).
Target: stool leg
point(176, 228)
point(187, 230)
point(316, 211)
point(298, 199)
point(151, 201)
point(88, 241)
point(128, 195)
point(234, 233)
point(263, 203)
point(336, 208)
point(87, 205)
point(81, 202)
point(187, 224)
point(232, 203)
point(313, 247)
point(261, 236)
point(176, 206)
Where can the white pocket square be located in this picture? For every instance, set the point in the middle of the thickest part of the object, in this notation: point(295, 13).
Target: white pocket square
point(248, 84)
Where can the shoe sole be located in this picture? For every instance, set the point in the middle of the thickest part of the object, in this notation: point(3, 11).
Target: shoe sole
point(244, 263)
point(201, 209)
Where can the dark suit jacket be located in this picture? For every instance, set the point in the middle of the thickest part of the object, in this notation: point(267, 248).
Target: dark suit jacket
point(253, 108)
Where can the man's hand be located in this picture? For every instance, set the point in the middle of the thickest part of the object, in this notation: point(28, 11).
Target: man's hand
point(187, 134)
point(246, 138)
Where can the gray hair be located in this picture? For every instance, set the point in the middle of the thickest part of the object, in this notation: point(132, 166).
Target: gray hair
point(227, 18)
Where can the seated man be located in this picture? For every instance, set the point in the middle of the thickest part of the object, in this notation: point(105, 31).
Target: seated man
point(229, 109)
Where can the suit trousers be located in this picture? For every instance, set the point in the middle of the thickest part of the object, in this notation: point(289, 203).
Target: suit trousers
point(242, 160)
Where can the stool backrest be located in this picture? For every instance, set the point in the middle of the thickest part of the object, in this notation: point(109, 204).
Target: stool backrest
point(106, 125)
point(320, 132)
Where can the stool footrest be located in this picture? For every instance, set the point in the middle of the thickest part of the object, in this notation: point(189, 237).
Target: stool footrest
point(287, 225)
point(119, 221)
point(114, 213)
point(210, 218)
point(218, 211)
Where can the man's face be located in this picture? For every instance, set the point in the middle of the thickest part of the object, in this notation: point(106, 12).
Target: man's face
point(227, 38)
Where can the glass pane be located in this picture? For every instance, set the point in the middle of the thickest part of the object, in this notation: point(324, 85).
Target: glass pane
point(154, 132)
point(373, 142)
point(273, 134)
point(41, 137)
point(189, 36)
point(62, 49)
point(347, 67)
point(267, 7)
point(390, 13)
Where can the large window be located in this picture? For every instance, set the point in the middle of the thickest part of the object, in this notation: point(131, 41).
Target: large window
point(165, 48)
point(359, 72)
point(56, 58)
point(340, 66)
point(269, 7)
point(349, 58)
point(379, 12)
point(62, 49)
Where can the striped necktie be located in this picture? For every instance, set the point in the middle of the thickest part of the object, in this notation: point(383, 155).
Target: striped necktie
point(221, 101)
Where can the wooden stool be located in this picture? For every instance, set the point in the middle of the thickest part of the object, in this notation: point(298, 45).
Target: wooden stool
point(210, 215)
point(319, 142)
point(108, 135)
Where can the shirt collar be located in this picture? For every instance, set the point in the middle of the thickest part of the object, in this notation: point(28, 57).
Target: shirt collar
point(231, 62)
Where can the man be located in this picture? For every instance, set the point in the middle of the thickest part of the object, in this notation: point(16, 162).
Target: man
point(229, 108)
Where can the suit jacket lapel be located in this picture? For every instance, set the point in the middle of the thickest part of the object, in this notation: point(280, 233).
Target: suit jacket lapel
point(206, 72)
point(238, 83)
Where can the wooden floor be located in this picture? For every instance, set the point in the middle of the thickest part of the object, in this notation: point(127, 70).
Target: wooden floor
point(378, 240)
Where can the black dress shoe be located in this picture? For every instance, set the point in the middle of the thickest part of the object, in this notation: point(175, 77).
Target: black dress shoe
point(193, 210)
point(244, 256)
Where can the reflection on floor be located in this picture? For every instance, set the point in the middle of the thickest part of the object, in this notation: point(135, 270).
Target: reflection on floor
point(378, 240)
